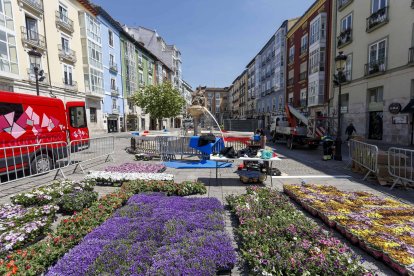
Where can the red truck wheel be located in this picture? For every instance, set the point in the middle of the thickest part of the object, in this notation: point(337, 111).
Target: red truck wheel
point(41, 164)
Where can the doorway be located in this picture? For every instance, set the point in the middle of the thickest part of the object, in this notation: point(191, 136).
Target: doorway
point(375, 125)
point(112, 125)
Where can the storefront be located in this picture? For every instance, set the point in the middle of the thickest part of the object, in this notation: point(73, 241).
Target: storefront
point(112, 125)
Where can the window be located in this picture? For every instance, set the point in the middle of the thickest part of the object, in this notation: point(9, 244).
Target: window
point(65, 44)
point(92, 114)
point(304, 44)
point(140, 58)
point(377, 5)
point(377, 56)
point(111, 38)
point(113, 84)
point(31, 29)
point(96, 80)
point(344, 103)
point(95, 54)
point(8, 53)
point(111, 60)
point(291, 54)
point(346, 23)
point(317, 60)
point(63, 14)
point(150, 80)
point(114, 106)
point(318, 29)
point(141, 77)
point(6, 14)
point(67, 74)
point(348, 68)
point(78, 116)
point(375, 95)
point(93, 29)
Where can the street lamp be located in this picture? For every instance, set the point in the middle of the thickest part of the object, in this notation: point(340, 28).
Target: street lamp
point(35, 59)
point(340, 62)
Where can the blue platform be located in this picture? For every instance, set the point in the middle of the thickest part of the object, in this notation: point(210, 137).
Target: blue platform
point(202, 164)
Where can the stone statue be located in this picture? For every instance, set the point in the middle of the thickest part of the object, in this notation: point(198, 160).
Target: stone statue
point(198, 98)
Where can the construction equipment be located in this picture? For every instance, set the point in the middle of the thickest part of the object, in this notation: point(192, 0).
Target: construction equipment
point(299, 130)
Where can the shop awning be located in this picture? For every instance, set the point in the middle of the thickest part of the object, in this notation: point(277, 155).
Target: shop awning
point(409, 108)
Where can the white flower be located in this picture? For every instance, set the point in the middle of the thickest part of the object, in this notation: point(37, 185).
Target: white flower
point(120, 177)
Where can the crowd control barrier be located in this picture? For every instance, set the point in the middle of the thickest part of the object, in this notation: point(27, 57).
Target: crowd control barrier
point(20, 162)
point(400, 165)
point(85, 150)
point(365, 155)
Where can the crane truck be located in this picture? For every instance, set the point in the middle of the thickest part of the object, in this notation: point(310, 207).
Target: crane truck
point(299, 130)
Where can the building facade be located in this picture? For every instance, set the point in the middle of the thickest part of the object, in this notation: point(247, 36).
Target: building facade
point(243, 108)
point(251, 91)
point(378, 39)
point(235, 98)
point(308, 49)
point(113, 101)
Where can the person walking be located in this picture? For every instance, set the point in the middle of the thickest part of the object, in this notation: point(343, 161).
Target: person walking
point(262, 139)
point(350, 131)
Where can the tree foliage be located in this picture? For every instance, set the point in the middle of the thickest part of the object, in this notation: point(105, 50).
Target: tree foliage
point(160, 101)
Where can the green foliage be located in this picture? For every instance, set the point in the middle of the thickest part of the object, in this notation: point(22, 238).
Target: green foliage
point(161, 101)
point(77, 201)
point(169, 187)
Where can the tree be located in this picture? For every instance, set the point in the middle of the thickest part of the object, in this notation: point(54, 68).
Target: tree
point(160, 101)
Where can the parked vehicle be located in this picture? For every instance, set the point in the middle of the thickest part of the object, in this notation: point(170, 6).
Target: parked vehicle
point(46, 124)
point(297, 129)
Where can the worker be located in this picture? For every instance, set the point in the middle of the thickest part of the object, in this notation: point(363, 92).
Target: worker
point(327, 143)
point(350, 131)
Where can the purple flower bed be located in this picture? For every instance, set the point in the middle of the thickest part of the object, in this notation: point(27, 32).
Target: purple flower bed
point(155, 235)
point(137, 168)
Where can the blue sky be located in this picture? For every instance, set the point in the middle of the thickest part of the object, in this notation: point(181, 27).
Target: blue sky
point(217, 38)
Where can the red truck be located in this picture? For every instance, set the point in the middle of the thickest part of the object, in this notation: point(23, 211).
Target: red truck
point(35, 131)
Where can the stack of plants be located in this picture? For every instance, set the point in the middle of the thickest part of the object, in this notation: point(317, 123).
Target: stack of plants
point(277, 239)
point(383, 227)
point(168, 187)
point(69, 195)
point(155, 235)
point(116, 179)
point(137, 168)
point(21, 225)
point(37, 257)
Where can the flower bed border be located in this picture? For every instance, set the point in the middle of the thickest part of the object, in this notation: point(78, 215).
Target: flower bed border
point(354, 239)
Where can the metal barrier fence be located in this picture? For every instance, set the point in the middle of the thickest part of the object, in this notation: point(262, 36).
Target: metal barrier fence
point(168, 147)
point(400, 165)
point(365, 155)
point(29, 160)
point(89, 149)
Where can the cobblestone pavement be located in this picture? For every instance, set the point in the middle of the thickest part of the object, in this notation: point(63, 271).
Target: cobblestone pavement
point(300, 165)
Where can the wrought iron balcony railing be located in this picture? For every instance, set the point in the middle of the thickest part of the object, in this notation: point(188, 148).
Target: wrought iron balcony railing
point(67, 54)
point(375, 67)
point(64, 22)
point(377, 19)
point(33, 39)
point(345, 37)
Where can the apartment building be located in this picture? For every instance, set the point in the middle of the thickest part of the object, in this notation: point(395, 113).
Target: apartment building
point(244, 87)
point(235, 98)
point(168, 55)
point(377, 37)
point(308, 68)
point(251, 89)
point(186, 93)
point(113, 102)
point(216, 101)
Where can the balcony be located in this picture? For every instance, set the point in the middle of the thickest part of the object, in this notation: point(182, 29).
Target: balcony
point(113, 67)
point(140, 64)
point(342, 4)
point(116, 110)
point(291, 59)
point(34, 5)
point(70, 85)
point(375, 67)
point(114, 91)
point(411, 56)
point(344, 38)
point(290, 82)
point(97, 92)
point(33, 39)
point(64, 23)
point(67, 54)
point(377, 19)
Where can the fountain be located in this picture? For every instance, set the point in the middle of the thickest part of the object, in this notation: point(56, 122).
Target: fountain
point(198, 108)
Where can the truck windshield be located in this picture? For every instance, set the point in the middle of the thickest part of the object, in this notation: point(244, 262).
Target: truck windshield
point(78, 117)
